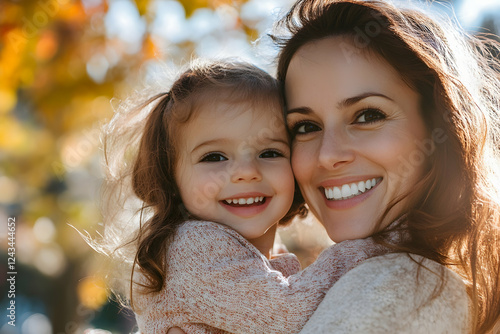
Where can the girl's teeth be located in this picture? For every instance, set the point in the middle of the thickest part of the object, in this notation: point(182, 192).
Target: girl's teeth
point(350, 190)
point(245, 201)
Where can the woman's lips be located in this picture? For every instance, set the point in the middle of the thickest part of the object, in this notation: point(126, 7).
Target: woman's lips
point(348, 195)
point(349, 190)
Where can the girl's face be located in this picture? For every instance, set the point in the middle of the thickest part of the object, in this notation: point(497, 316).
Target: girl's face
point(359, 138)
point(234, 167)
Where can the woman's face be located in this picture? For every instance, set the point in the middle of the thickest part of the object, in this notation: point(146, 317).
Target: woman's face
point(359, 137)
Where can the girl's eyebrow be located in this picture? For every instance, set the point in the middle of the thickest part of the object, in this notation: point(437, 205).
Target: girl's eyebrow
point(279, 140)
point(342, 104)
point(210, 142)
point(222, 141)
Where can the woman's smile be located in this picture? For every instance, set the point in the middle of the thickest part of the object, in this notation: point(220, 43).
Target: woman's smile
point(349, 195)
point(354, 123)
point(349, 190)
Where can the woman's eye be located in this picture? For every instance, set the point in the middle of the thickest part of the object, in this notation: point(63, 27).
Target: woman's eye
point(370, 116)
point(213, 157)
point(271, 154)
point(305, 127)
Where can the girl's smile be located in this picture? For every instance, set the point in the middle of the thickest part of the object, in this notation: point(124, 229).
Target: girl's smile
point(246, 205)
point(234, 166)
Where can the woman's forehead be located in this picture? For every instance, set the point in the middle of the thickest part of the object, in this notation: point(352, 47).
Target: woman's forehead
point(328, 66)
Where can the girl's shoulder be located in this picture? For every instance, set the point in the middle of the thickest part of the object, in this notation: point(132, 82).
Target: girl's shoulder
point(195, 237)
point(206, 230)
point(402, 293)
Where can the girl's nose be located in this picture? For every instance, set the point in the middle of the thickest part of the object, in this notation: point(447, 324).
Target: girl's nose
point(246, 171)
point(335, 150)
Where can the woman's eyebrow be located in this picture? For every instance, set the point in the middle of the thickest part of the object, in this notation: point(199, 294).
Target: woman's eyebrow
point(355, 99)
point(299, 110)
point(342, 104)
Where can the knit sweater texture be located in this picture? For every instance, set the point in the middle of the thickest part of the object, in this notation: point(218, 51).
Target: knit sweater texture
point(393, 294)
point(218, 282)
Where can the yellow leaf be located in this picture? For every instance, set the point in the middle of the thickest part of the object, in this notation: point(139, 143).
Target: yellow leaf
point(47, 46)
point(191, 5)
point(11, 57)
point(8, 100)
point(13, 136)
point(149, 49)
point(142, 6)
point(92, 292)
point(72, 12)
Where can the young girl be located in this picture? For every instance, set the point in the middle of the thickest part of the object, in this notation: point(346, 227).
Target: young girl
point(213, 170)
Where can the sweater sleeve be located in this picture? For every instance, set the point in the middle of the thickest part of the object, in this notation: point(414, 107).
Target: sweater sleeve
point(287, 264)
point(392, 294)
point(227, 285)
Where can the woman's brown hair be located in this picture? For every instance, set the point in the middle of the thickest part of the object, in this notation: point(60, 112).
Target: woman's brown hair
point(141, 156)
point(456, 217)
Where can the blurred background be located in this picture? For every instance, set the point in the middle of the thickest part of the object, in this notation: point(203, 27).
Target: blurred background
point(61, 62)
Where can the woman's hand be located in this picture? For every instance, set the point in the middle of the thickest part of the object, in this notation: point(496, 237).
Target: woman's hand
point(175, 330)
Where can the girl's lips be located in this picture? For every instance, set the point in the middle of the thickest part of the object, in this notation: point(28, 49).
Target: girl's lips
point(345, 197)
point(247, 210)
point(245, 195)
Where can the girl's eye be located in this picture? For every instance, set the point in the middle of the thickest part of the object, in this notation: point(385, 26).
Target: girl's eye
point(271, 154)
point(304, 127)
point(370, 116)
point(213, 157)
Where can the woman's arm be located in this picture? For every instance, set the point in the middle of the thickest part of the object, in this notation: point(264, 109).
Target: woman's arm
point(385, 295)
point(226, 285)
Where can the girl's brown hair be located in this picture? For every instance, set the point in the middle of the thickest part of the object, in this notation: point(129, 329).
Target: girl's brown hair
point(151, 149)
point(456, 218)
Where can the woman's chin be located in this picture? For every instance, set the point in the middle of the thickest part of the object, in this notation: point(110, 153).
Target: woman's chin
point(338, 235)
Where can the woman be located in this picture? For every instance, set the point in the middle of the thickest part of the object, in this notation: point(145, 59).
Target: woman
point(396, 127)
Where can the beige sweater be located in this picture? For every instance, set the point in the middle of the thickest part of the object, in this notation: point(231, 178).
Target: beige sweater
point(387, 294)
point(217, 281)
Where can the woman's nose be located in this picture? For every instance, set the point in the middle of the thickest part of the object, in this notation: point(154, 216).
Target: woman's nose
point(335, 150)
point(246, 170)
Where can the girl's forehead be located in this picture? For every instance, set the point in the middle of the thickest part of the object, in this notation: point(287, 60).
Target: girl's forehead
point(232, 111)
point(226, 103)
point(228, 124)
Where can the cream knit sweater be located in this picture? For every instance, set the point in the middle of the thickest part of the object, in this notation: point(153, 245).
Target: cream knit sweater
point(218, 282)
point(387, 294)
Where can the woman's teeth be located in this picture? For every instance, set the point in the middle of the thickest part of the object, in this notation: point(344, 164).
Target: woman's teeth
point(350, 190)
point(244, 201)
